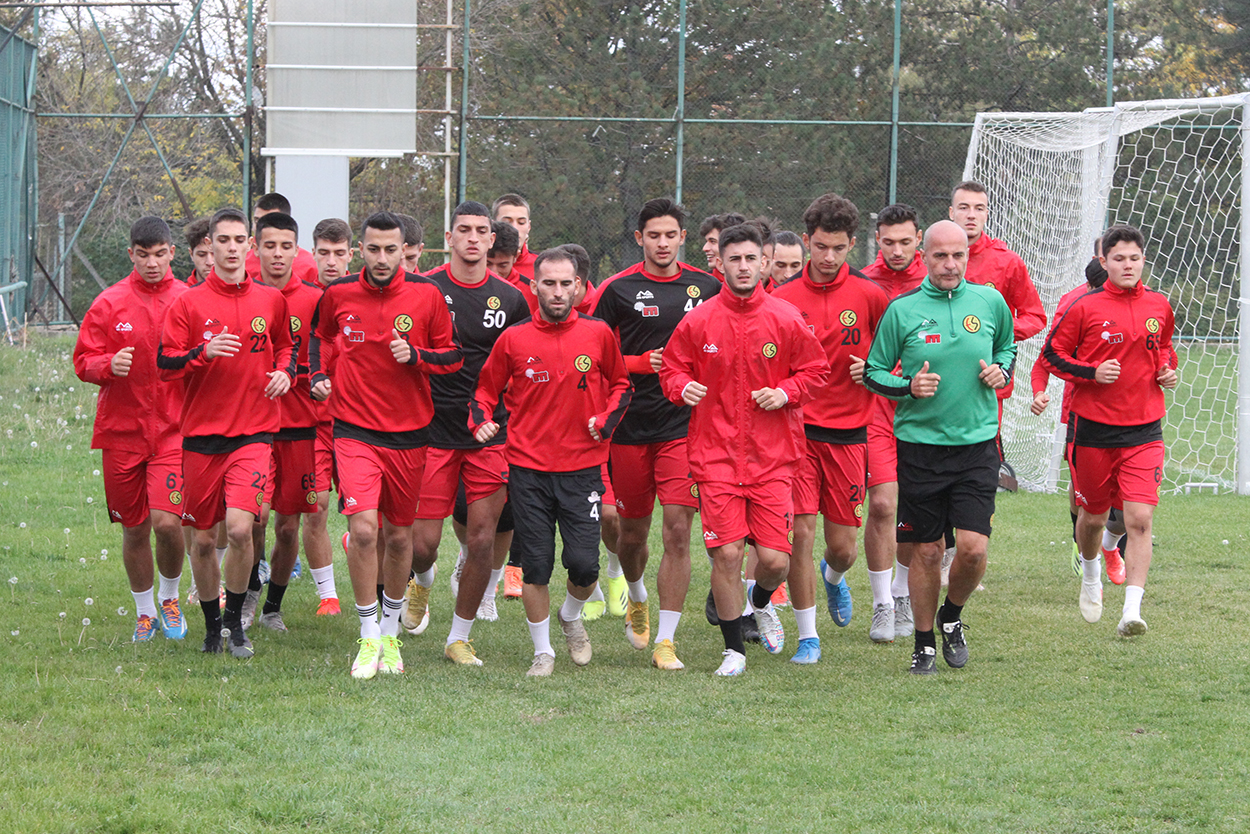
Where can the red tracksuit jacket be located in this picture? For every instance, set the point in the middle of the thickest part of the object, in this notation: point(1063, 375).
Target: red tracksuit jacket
point(1134, 326)
point(304, 267)
point(735, 346)
point(138, 412)
point(895, 282)
point(1040, 375)
point(843, 314)
point(992, 264)
point(557, 377)
point(299, 409)
point(225, 396)
point(370, 389)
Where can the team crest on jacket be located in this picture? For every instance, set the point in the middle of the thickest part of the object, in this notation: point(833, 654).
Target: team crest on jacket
point(1152, 324)
point(258, 324)
point(848, 318)
point(692, 291)
point(972, 324)
point(295, 324)
point(493, 302)
point(769, 350)
point(582, 363)
point(403, 322)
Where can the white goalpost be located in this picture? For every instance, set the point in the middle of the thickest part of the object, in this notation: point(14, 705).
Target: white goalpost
point(1175, 169)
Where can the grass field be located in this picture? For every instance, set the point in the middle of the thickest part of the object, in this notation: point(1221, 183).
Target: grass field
point(1054, 726)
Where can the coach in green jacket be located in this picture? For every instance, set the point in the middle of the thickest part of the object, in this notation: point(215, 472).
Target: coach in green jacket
point(953, 342)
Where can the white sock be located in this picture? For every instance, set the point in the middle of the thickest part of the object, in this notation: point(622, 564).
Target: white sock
point(597, 594)
point(1109, 540)
point(145, 606)
point(1132, 602)
point(426, 578)
point(637, 590)
point(369, 621)
point(324, 577)
point(540, 633)
point(491, 588)
point(1091, 570)
point(747, 608)
point(667, 629)
point(832, 576)
point(221, 554)
point(898, 588)
point(614, 564)
point(880, 582)
point(572, 608)
point(389, 626)
point(806, 619)
point(460, 628)
point(168, 586)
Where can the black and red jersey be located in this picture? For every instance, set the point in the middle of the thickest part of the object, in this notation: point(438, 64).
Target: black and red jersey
point(299, 409)
point(371, 391)
point(843, 314)
point(480, 313)
point(1134, 326)
point(644, 309)
point(557, 377)
point(224, 397)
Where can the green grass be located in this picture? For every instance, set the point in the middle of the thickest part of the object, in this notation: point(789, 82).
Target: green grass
point(1054, 726)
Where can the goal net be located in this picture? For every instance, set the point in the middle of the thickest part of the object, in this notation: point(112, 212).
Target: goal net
point(1174, 169)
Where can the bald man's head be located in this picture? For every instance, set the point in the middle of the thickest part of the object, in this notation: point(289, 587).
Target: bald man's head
point(945, 254)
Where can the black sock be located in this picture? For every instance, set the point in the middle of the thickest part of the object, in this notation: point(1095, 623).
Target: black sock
point(731, 630)
point(925, 640)
point(950, 612)
point(253, 582)
point(273, 600)
point(761, 595)
point(233, 615)
point(212, 615)
point(1073, 526)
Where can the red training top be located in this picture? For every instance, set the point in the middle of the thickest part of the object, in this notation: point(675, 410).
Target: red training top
point(524, 264)
point(992, 264)
point(734, 346)
point(895, 282)
point(299, 409)
point(304, 268)
point(137, 412)
point(1040, 375)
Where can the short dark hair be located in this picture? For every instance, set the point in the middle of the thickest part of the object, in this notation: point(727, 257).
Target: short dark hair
point(277, 220)
point(741, 233)
point(1095, 275)
point(507, 239)
point(831, 213)
point(660, 207)
point(195, 232)
point(968, 185)
point(1122, 233)
point(228, 214)
point(556, 254)
point(273, 201)
point(717, 222)
point(332, 230)
point(509, 199)
point(472, 208)
point(150, 231)
point(581, 258)
point(896, 214)
point(765, 226)
point(414, 235)
point(784, 238)
point(383, 221)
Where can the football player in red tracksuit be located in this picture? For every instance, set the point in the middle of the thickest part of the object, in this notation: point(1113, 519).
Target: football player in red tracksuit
point(390, 330)
point(229, 339)
point(304, 267)
point(200, 248)
point(643, 304)
point(843, 311)
point(136, 424)
point(566, 390)
point(293, 481)
point(746, 363)
point(897, 269)
point(514, 210)
point(789, 255)
point(1115, 344)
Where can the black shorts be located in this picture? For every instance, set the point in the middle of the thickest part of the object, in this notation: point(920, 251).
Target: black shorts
point(460, 512)
point(539, 500)
point(945, 486)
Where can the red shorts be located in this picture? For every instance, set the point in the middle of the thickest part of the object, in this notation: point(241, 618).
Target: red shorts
point(292, 484)
point(483, 471)
point(135, 483)
point(640, 473)
point(609, 495)
point(1102, 477)
point(831, 480)
point(731, 512)
point(882, 448)
point(377, 478)
point(212, 483)
point(323, 455)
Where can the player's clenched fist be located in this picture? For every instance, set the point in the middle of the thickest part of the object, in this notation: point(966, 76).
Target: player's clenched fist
point(122, 360)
